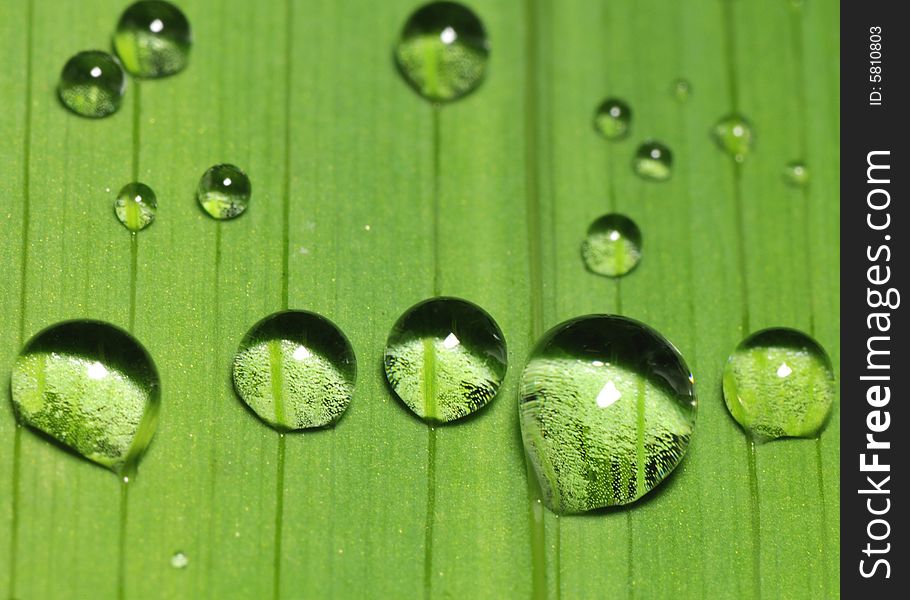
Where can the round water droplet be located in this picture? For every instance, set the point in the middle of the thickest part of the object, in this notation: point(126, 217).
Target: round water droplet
point(607, 409)
point(779, 383)
point(733, 134)
point(443, 51)
point(92, 387)
point(653, 161)
point(445, 358)
point(136, 206)
point(681, 90)
point(296, 370)
point(153, 39)
point(796, 173)
point(92, 84)
point(613, 119)
point(224, 192)
point(612, 246)
point(180, 560)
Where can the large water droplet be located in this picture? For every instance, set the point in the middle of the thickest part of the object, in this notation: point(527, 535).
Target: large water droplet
point(153, 39)
point(296, 370)
point(92, 84)
point(180, 560)
point(779, 383)
point(136, 206)
point(92, 387)
point(443, 51)
point(224, 191)
point(445, 358)
point(612, 246)
point(607, 410)
point(796, 173)
point(733, 134)
point(653, 161)
point(613, 119)
point(681, 89)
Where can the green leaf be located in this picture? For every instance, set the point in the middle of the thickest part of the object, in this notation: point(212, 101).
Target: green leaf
point(361, 200)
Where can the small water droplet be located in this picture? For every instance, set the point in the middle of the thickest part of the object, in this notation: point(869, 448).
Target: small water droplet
point(779, 383)
point(296, 370)
point(92, 84)
point(136, 206)
point(92, 387)
point(796, 173)
point(180, 560)
point(653, 161)
point(612, 246)
point(681, 89)
point(153, 39)
point(445, 358)
point(607, 409)
point(733, 134)
point(224, 192)
point(443, 51)
point(613, 119)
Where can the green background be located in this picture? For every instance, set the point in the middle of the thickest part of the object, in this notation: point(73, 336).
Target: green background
point(346, 173)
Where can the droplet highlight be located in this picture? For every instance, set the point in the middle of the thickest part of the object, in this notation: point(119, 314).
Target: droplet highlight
point(92, 387)
point(180, 560)
point(613, 119)
point(92, 84)
point(796, 174)
point(607, 410)
point(296, 370)
point(779, 383)
point(653, 161)
point(612, 246)
point(445, 358)
point(681, 90)
point(442, 51)
point(733, 134)
point(153, 39)
point(136, 206)
point(224, 192)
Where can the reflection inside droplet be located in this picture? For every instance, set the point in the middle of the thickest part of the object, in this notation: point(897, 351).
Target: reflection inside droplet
point(608, 395)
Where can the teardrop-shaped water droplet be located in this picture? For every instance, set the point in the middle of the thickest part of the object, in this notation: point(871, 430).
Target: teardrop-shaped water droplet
point(681, 89)
point(443, 51)
point(612, 246)
point(796, 174)
point(653, 161)
point(607, 409)
point(733, 134)
point(224, 192)
point(296, 370)
point(445, 358)
point(180, 560)
point(92, 84)
point(92, 387)
point(136, 206)
point(779, 383)
point(153, 39)
point(613, 119)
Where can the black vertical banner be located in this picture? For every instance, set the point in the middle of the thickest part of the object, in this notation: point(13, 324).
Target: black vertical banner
point(874, 263)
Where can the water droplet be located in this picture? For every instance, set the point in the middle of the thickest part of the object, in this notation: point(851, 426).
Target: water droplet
point(445, 358)
point(613, 119)
point(153, 39)
point(92, 84)
point(653, 161)
point(443, 51)
point(681, 90)
point(224, 191)
point(733, 134)
point(612, 246)
point(136, 206)
point(296, 370)
point(607, 409)
point(779, 383)
point(796, 173)
point(92, 387)
point(180, 560)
